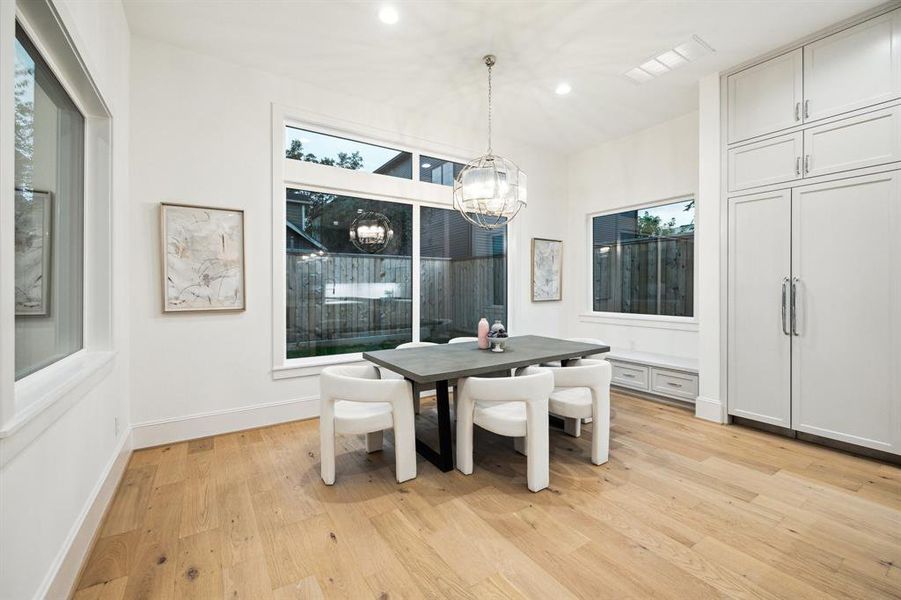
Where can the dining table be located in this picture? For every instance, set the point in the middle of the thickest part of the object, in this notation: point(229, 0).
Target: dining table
point(437, 367)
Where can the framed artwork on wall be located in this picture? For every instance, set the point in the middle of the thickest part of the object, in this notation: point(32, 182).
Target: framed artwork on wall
point(202, 258)
point(547, 270)
point(33, 222)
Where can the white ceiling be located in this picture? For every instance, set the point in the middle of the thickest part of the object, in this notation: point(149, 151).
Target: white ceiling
point(431, 59)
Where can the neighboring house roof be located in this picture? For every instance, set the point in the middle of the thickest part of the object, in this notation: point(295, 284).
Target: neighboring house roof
point(315, 243)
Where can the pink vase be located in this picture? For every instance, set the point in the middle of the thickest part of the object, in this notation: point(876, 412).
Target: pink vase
point(483, 333)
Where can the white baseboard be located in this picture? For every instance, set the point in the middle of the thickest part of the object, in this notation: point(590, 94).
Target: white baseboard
point(61, 577)
point(179, 429)
point(710, 409)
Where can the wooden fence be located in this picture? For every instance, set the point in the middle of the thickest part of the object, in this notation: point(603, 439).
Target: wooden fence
point(646, 276)
point(348, 302)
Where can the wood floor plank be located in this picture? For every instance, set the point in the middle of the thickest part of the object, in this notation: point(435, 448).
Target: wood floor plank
point(683, 509)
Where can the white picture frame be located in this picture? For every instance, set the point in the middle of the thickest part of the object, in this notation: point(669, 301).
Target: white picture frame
point(33, 249)
point(547, 270)
point(203, 264)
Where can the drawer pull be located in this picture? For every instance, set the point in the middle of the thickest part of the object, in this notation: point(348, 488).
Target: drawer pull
point(678, 385)
point(629, 375)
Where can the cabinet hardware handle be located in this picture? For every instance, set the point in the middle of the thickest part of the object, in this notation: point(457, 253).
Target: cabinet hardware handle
point(678, 385)
point(798, 165)
point(807, 109)
point(797, 111)
point(806, 163)
point(628, 375)
point(794, 306)
point(785, 282)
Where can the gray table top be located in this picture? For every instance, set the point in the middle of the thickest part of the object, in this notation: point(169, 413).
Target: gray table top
point(442, 362)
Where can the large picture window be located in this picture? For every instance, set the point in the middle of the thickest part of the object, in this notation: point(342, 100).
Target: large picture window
point(643, 260)
point(463, 275)
point(341, 298)
point(49, 214)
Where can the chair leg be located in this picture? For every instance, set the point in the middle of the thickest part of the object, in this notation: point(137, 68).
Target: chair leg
point(464, 413)
point(572, 426)
point(538, 472)
point(404, 442)
point(374, 441)
point(600, 434)
point(521, 445)
point(327, 449)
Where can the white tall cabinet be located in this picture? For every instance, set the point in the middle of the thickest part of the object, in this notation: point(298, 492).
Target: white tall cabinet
point(813, 191)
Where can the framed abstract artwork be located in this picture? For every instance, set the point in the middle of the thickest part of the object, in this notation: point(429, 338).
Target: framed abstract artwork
point(33, 234)
point(203, 258)
point(547, 270)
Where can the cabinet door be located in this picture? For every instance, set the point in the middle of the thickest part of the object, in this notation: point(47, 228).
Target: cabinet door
point(854, 68)
point(759, 349)
point(846, 351)
point(765, 98)
point(853, 143)
point(767, 162)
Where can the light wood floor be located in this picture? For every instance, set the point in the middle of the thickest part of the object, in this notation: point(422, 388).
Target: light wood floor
point(684, 509)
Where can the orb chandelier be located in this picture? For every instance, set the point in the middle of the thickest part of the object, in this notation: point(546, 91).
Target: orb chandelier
point(490, 190)
point(371, 232)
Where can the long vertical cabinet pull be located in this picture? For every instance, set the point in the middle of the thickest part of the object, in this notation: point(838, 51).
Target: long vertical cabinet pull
point(794, 306)
point(785, 329)
point(797, 111)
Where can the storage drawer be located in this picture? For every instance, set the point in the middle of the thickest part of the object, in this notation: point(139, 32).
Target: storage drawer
point(674, 383)
point(630, 375)
point(862, 141)
point(764, 163)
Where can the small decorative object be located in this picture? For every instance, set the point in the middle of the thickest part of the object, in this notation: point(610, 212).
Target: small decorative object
point(371, 232)
point(203, 258)
point(547, 270)
point(483, 333)
point(497, 336)
point(490, 190)
point(33, 220)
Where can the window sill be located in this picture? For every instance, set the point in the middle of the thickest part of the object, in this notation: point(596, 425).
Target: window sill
point(44, 396)
point(649, 321)
point(311, 367)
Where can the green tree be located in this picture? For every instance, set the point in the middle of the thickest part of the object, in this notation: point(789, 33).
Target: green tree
point(352, 161)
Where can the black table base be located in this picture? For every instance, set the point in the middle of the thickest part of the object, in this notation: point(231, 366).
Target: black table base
point(443, 458)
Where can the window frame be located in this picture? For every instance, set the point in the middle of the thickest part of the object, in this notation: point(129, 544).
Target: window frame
point(31, 403)
point(370, 186)
point(633, 319)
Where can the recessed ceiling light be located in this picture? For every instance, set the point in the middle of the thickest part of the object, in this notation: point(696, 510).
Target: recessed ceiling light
point(388, 15)
point(671, 59)
point(563, 89)
point(426, 165)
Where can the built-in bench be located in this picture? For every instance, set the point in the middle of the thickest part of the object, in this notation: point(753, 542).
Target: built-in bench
point(656, 374)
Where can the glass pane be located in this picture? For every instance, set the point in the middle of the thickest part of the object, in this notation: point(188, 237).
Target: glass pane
point(463, 275)
point(49, 222)
point(643, 261)
point(342, 299)
point(310, 146)
point(437, 170)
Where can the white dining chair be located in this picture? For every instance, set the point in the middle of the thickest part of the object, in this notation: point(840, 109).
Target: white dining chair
point(355, 400)
point(388, 374)
point(511, 406)
point(599, 356)
point(462, 340)
point(582, 390)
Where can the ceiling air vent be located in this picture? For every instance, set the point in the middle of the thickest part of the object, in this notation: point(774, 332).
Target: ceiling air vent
point(668, 60)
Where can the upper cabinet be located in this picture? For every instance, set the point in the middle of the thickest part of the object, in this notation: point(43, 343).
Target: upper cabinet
point(854, 68)
point(766, 97)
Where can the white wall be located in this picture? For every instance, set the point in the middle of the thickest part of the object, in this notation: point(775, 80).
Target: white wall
point(48, 486)
point(651, 165)
point(201, 135)
point(710, 404)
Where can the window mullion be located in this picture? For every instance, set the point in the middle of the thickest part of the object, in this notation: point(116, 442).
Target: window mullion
point(416, 304)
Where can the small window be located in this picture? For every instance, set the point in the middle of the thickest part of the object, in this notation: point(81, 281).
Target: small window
point(643, 260)
point(437, 170)
point(341, 298)
point(49, 214)
point(463, 275)
point(319, 148)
